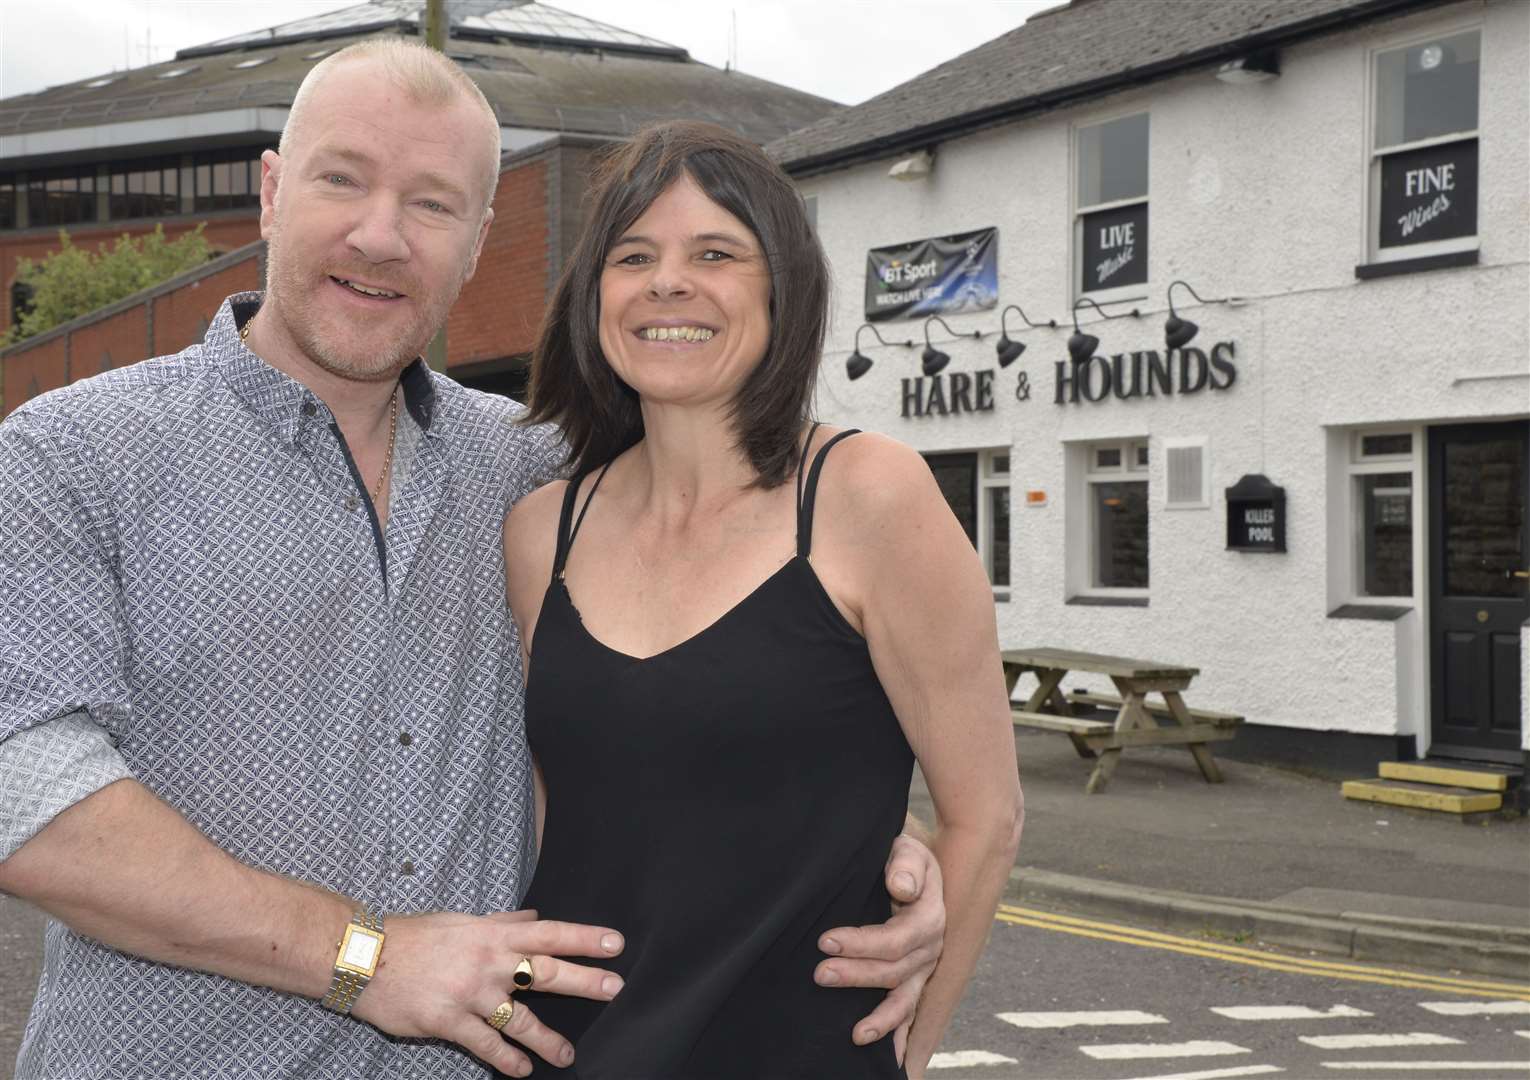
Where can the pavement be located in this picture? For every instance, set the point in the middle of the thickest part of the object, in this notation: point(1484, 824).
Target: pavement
point(1270, 855)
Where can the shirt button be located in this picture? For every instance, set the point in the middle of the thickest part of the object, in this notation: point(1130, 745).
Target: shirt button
point(407, 869)
point(309, 408)
point(405, 739)
point(352, 502)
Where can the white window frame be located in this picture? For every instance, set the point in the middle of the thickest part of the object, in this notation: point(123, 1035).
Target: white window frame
point(990, 479)
point(1374, 252)
point(1092, 474)
point(1179, 442)
point(1120, 293)
point(1357, 465)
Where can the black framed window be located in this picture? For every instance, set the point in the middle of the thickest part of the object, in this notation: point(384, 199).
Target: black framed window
point(65, 196)
point(148, 188)
point(7, 202)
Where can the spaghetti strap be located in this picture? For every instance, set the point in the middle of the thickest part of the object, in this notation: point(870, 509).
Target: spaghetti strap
point(565, 534)
point(810, 492)
point(802, 462)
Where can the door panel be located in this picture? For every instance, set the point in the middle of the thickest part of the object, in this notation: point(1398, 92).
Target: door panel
point(1479, 480)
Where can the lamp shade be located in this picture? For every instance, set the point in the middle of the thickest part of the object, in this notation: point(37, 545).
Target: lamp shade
point(1177, 332)
point(1081, 346)
point(1009, 351)
point(934, 360)
point(858, 364)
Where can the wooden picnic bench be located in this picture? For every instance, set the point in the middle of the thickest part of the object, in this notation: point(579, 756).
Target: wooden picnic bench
point(1138, 722)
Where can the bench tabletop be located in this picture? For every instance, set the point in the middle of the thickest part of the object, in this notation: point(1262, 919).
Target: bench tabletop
point(1119, 666)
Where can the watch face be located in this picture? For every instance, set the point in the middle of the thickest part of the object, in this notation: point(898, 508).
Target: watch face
point(360, 950)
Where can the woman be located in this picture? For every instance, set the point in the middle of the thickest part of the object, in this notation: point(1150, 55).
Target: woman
point(738, 642)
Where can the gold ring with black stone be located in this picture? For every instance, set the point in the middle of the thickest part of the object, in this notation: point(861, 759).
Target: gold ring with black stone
point(524, 978)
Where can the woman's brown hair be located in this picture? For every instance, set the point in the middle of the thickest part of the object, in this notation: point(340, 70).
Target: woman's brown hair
point(574, 387)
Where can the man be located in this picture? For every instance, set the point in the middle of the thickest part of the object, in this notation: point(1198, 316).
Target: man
point(258, 685)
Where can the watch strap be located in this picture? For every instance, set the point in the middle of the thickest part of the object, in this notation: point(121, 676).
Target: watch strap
point(346, 984)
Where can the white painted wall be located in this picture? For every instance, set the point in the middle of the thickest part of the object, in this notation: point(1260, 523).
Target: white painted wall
point(1257, 191)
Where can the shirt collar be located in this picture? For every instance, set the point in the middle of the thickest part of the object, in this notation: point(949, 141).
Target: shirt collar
point(275, 396)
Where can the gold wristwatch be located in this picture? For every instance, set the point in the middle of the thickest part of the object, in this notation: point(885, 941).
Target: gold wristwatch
point(356, 962)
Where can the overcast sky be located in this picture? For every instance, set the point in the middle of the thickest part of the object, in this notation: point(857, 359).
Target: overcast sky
point(847, 50)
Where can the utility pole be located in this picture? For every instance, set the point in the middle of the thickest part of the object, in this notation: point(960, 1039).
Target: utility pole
point(435, 37)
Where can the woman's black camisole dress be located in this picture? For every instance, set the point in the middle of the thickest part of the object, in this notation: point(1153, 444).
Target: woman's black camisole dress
point(722, 804)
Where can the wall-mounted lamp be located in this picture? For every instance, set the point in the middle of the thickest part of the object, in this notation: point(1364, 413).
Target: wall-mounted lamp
point(859, 363)
point(916, 166)
point(1009, 351)
point(1177, 332)
point(934, 359)
point(1253, 68)
point(1081, 346)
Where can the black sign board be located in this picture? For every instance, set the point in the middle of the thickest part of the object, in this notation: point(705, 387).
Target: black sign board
point(1115, 247)
point(933, 277)
point(1256, 515)
point(1429, 194)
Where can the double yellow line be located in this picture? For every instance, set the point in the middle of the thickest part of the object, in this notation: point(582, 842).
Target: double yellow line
point(1233, 954)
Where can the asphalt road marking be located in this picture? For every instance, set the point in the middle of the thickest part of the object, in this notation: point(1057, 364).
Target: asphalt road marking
point(962, 1059)
point(1195, 1048)
point(1373, 1042)
point(1287, 1012)
point(1476, 1008)
point(1219, 1074)
point(1093, 1018)
point(1152, 939)
point(1432, 1066)
point(1523, 1034)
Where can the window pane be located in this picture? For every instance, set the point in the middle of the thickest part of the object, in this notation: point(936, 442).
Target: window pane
point(7, 205)
point(1121, 535)
point(1427, 90)
point(1142, 456)
point(1107, 458)
point(956, 476)
point(1386, 445)
point(998, 535)
point(998, 465)
point(1386, 534)
point(1113, 160)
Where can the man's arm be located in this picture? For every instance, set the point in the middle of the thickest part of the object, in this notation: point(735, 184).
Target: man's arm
point(122, 867)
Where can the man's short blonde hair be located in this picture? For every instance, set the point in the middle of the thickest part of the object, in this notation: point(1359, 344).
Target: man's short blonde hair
point(427, 76)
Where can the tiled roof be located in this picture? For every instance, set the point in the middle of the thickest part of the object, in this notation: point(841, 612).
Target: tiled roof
point(1083, 49)
point(592, 90)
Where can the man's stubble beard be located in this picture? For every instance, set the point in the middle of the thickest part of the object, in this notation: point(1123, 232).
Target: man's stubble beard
point(296, 312)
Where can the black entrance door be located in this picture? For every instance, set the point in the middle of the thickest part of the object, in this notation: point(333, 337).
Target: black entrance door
point(1479, 583)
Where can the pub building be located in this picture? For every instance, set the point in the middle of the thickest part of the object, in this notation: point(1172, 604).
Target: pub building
point(1214, 335)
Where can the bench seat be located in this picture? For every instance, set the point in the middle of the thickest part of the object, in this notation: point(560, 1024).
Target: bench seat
point(1157, 708)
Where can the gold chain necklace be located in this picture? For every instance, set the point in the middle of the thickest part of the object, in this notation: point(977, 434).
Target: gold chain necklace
point(244, 339)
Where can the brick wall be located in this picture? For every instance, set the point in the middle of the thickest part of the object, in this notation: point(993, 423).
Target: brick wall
point(224, 233)
point(163, 319)
point(499, 310)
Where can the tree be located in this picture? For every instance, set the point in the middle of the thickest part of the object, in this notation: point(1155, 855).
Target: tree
point(71, 281)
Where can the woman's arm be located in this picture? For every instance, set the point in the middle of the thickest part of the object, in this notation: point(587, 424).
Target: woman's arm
point(926, 609)
point(530, 539)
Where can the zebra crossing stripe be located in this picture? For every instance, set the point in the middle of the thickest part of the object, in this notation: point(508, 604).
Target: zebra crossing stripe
point(1287, 1012)
point(961, 1059)
point(1092, 1018)
point(1477, 1008)
point(1432, 1066)
point(1372, 1042)
point(1197, 1048)
point(1219, 1074)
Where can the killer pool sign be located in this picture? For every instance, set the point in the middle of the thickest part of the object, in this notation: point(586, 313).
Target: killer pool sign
point(937, 276)
point(1429, 194)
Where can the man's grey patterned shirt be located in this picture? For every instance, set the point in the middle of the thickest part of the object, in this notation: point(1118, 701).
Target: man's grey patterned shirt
point(185, 560)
